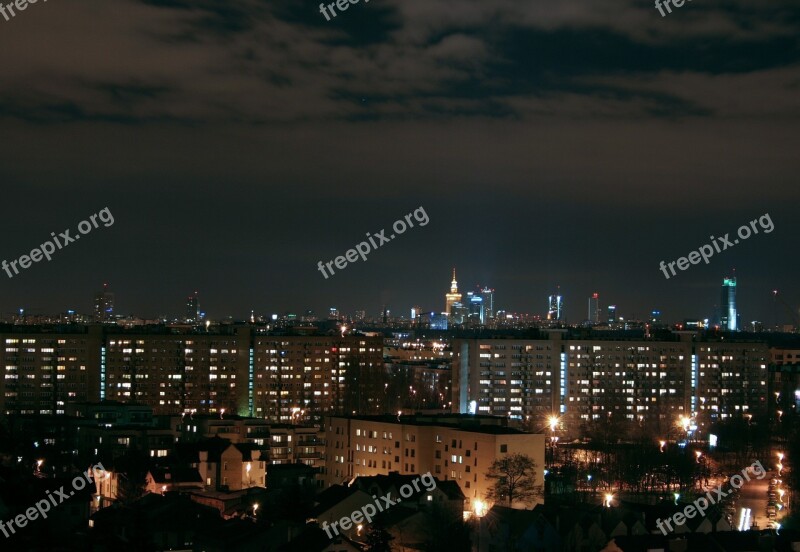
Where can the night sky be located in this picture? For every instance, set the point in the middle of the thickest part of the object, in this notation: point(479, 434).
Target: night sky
point(575, 143)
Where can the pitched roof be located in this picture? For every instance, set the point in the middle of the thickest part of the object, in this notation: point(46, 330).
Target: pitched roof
point(175, 475)
point(332, 496)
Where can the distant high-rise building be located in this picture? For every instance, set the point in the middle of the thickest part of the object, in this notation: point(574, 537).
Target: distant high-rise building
point(104, 305)
point(555, 308)
point(193, 308)
point(475, 307)
point(458, 312)
point(416, 312)
point(361, 315)
point(454, 296)
point(594, 309)
point(612, 314)
point(309, 316)
point(727, 307)
point(333, 313)
point(488, 303)
point(655, 317)
point(437, 321)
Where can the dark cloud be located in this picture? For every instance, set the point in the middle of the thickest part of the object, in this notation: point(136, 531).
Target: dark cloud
point(238, 143)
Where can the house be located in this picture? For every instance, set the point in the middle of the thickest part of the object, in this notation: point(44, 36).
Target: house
point(225, 466)
point(337, 502)
point(163, 480)
point(432, 491)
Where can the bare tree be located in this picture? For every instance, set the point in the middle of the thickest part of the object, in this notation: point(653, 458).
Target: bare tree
point(514, 479)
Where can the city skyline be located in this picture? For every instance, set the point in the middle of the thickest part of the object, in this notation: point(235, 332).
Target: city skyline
point(778, 313)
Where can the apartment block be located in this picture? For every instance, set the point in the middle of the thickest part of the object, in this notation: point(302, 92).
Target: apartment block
point(179, 373)
point(42, 372)
point(629, 377)
point(302, 378)
point(452, 447)
point(506, 377)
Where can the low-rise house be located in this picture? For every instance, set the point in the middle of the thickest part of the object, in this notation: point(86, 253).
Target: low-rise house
point(164, 480)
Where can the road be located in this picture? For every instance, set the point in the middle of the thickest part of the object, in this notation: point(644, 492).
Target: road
point(753, 495)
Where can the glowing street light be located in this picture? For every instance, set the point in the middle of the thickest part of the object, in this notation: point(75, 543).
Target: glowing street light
point(553, 422)
point(698, 454)
point(677, 496)
point(255, 508)
point(608, 498)
point(780, 457)
point(662, 444)
point(780, 415)
point(480, 508)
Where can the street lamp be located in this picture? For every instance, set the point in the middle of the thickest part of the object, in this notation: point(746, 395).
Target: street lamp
point(608, 498)
point(662, 444)
point(698, 454)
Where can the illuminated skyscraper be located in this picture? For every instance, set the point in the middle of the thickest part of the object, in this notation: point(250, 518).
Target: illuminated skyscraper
point(594, 309)
point(475, 306)
point(454, 296)
point(193, 308)
point(728, 315)
point(104, 305)
point(612, 314)
point(555, 308)
point(488, 302)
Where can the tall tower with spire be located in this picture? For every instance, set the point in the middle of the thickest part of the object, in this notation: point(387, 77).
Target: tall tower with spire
point(454, 296)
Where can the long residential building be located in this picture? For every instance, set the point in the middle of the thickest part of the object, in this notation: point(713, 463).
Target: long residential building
point(449, 446)
point(638, 379)
point(236, 369)
point(580, 376)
